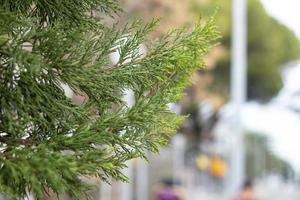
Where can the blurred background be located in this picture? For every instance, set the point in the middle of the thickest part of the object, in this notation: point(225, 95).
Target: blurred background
point(243, 109)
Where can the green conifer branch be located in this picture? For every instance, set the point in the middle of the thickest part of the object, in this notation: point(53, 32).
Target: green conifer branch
point(48, 142)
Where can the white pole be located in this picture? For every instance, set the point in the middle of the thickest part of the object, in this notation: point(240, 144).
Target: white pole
point(178, 148)
point(178, 145)
point(142, 176)
point(127, 188)
point(142, 190)
point(238, 89)
point(105, 191)
point(239, 53)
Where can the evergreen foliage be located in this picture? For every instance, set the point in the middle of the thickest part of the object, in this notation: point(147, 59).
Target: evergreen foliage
point(48, 143)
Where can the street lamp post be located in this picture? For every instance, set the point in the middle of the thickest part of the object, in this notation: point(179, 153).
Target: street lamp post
point(238, 89)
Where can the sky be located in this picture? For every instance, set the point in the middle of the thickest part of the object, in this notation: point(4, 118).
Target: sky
point(280, 118)
point(286, 11)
